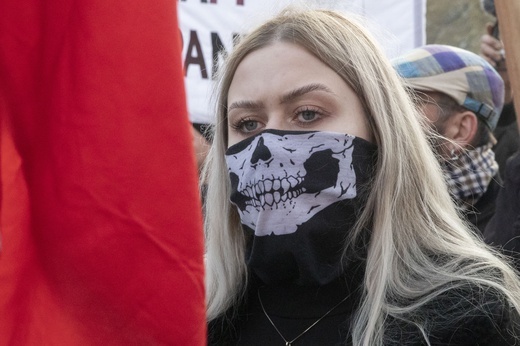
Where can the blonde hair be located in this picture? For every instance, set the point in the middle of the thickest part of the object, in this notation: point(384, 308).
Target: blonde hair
point(418, 244)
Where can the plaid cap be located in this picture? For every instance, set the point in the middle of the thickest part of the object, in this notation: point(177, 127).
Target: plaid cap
point(466, 77)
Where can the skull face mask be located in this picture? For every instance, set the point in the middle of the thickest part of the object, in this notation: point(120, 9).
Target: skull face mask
point(297, 194)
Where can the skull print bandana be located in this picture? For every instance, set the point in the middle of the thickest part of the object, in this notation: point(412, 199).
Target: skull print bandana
point(298, 195)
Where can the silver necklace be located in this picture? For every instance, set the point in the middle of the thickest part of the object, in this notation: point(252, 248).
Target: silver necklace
point(290, 342)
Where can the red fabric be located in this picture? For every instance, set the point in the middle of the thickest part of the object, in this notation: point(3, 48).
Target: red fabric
point(100, 222)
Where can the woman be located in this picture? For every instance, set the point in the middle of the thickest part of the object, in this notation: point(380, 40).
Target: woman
point(327, 218)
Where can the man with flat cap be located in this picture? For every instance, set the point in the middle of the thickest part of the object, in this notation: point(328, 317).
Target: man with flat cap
point(462, 96)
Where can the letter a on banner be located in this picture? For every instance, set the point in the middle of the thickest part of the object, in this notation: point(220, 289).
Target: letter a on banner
point(100, 219)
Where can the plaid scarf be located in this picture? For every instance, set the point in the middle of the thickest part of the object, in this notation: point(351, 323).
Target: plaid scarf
point(469, 174)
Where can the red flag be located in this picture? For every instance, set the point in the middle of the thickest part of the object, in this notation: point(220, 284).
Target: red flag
point(101, 236)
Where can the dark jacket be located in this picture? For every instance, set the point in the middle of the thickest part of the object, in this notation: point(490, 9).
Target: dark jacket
point(467, 315)
point(481, 213)
point(504, 228)
point(508, 138)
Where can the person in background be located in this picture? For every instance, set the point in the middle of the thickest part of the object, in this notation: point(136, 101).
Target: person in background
point(504, 228)
point(506, 132)
point(328, 220)
point(200, 143)
point(461, 95)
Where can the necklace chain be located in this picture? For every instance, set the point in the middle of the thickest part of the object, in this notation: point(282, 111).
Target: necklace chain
point(290, 342)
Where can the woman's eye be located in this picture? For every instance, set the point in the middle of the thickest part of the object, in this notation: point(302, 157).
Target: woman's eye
point(249, 125)
point(307, 115)
point(245, 126)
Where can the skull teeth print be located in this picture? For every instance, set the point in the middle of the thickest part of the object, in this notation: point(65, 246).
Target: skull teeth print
point(272, 198)
point(271, 192)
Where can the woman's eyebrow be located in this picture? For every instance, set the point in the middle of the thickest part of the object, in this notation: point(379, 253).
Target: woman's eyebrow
point(294, 94)
point(290, 96)
point(245, 105)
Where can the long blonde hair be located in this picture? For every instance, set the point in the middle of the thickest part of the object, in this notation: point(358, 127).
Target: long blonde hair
point(416, 231)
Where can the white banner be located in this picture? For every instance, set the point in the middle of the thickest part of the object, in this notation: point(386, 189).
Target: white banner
point(208, 28)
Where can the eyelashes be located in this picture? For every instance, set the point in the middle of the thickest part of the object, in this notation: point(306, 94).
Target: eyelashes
point(245, 125)
point(302, 117)
point(306, 116)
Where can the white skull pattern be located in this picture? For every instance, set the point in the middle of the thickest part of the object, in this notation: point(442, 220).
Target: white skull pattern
point(282, 179)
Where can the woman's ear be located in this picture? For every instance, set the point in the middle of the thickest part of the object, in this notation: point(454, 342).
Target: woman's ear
point(462, 128)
